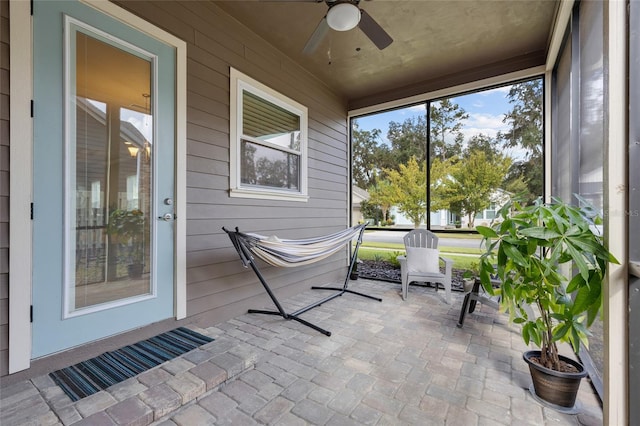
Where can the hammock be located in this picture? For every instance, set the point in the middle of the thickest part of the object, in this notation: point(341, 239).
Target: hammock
point(291, 253)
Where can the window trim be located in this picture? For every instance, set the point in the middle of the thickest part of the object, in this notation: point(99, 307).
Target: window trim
point(240, 82)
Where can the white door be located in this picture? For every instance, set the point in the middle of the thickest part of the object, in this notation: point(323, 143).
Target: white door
point(104, 148)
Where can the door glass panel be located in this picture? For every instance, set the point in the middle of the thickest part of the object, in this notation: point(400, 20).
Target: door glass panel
point(110, 176)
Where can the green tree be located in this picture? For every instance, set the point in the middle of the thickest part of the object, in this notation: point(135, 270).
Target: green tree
point(364, 146)
point(525, 117)
point(384, 196)
point(248, 154)
point(408, 139)
point(483, 143)
point(475, 178)
point(443, 193)
point(529, 172)
point(445, 190)
point(517, 187)
point(272, 173)
point(371, 211)
point(370, 155)
point(409, 185)
point(445, 128)
point(526, 134)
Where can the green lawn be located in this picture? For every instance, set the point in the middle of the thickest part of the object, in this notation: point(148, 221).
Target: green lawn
point(400, 247)
point(463, 257)
point(369, 253)
point(451, 234)
point(465, 235)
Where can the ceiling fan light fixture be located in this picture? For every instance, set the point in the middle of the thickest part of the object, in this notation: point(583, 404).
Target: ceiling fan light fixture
point(343, 16)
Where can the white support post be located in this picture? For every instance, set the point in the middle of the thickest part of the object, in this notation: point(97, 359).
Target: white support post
point(20, 189)
point(616, 372)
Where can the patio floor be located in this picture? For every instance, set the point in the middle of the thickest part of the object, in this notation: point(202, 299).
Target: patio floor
point(386, 363)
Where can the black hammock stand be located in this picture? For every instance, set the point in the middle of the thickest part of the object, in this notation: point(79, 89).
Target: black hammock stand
point(291, 253)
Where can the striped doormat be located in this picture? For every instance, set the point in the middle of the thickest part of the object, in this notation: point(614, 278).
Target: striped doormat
point(88, 377)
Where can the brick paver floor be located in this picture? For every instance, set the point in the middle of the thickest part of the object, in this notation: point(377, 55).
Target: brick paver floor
point(393, 362)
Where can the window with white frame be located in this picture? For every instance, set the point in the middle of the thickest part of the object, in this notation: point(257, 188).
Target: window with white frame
point(268, 152)
point(490, 213)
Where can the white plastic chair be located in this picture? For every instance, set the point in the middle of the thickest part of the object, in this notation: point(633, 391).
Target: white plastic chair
point(421, 238)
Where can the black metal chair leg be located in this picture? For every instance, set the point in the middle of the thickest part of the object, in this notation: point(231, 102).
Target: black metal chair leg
point(463, 311)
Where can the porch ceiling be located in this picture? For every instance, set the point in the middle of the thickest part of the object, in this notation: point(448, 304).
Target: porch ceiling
point(436, 43)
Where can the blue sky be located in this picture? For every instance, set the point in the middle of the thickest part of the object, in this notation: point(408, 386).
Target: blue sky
point(486, 110)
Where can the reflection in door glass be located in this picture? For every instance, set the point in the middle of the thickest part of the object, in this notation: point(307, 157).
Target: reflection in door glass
point(109, 258)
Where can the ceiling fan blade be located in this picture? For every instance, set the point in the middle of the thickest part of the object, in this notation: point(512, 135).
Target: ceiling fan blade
point(316, 37)
point(374, 31)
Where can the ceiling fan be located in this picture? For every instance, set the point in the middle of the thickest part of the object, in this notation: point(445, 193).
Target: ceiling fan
point(344, 15)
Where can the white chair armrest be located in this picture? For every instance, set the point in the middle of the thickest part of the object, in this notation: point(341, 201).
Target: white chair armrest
point(446, 261)
point(448, 264)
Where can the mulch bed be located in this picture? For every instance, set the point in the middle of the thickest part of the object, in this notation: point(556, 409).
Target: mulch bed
point(383, 270)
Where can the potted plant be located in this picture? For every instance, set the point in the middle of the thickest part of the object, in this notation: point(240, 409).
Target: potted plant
point(550, 257)
point(128, 226)
point(469, 277)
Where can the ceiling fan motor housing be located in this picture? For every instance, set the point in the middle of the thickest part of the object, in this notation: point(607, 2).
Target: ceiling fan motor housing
point(343, 16)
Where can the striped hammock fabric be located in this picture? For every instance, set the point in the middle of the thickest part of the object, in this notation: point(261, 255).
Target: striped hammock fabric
point(291, 253)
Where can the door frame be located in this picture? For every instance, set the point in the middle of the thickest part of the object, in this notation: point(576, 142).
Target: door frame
point(634, 212)
point(21, 174)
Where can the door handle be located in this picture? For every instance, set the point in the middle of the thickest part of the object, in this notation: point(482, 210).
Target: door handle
point(167, 217)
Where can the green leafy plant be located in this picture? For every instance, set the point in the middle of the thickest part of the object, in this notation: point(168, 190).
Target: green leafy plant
point(128, 226)
point(472, 272)
point(392, 258)
point(552, 257)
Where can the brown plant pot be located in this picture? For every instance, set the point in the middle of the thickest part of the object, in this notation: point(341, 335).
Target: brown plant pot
point(555, 387)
